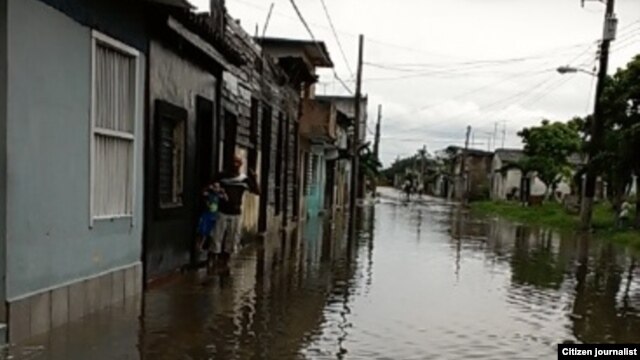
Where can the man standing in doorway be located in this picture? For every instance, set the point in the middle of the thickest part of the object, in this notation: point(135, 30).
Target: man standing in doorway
point(226, 236)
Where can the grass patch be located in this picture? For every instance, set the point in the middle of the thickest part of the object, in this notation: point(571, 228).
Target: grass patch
point(553, 215)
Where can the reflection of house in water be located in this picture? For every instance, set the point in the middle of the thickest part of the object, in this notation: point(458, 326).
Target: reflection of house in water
point(535, 260)
point(274, 304)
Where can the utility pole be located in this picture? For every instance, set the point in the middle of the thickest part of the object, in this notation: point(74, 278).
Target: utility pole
point(597, 125)
point(495, 135)
point(504, 132)
point(355, 161)
point(422, 167)
point(376, 144)
point(463, 169)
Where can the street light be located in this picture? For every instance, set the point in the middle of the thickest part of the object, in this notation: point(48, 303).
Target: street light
point(570, 70)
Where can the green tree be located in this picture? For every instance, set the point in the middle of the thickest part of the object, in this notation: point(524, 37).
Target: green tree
point(547, 150)
point(370, 165)
point(621, 104)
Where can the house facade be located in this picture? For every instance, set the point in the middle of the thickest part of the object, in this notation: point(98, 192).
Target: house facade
point(106, 143)
point(346, 105)
point(72, 147)
point(509, 183)
point(476, 176)
point(506, 180)
point(187, 58)
point(315, 125)
point(318, 128)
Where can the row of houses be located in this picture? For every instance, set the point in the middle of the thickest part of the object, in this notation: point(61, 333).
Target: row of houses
point(115, 114)
point(498, 176)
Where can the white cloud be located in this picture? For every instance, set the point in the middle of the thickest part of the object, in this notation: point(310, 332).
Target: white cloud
point(442, 34)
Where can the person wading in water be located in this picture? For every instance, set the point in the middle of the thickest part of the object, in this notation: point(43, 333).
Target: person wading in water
point(226, 235)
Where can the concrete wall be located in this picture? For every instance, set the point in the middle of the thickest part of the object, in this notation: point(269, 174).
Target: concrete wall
point(48, 138)
point(503, 182)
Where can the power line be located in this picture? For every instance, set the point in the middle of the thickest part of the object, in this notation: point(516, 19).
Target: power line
point(306, 25)
point(335, 35)
point(554, 52)
point(476, 90)
point(519, 97)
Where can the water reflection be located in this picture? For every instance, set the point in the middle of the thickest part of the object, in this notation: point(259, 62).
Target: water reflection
point(419, 280)
point(597, 280)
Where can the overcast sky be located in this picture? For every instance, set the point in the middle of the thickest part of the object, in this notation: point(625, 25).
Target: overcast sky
point(437, 66)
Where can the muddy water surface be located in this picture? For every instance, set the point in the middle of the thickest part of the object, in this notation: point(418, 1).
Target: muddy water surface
point(422, 281)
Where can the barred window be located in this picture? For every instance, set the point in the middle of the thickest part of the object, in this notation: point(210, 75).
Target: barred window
point(114, 97)
point(171, 139)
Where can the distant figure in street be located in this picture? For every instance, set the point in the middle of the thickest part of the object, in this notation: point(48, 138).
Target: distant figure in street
point(226, 235)
point(211, 196)
point(407, 187)
point(623, 216)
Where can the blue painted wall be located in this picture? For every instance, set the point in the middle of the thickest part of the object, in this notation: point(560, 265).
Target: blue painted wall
point(48, 238)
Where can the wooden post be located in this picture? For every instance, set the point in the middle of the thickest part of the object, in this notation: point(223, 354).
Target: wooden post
point(355, 161)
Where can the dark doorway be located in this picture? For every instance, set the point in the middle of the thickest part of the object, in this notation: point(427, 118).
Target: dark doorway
point(279, 162)
point(265, 166)
point(204, 140)
point(204, 156)
point(287, 168)
point(329, 185)
point(296, 171)
point(252, 156)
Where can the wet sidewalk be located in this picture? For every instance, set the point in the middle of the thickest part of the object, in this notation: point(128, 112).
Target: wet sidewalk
point(421, 280)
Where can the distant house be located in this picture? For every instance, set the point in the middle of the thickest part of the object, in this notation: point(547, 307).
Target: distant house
point(347, 106)
point(506, 180)
point(476, 176)
point(509, 183)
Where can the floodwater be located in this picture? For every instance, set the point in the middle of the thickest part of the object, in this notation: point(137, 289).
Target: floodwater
point(422, 281)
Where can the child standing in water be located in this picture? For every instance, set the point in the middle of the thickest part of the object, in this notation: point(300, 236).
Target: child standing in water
point(207, 223)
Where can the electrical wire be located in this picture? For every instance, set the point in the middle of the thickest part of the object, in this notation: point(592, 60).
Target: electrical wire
point(335, 35)
point(519, 97)
point(306, 25)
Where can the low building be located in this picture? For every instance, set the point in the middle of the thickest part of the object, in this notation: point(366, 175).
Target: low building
point(477, 173)
point(318, 127)
point(506, 180)
point(347, 106)
point(342, 184)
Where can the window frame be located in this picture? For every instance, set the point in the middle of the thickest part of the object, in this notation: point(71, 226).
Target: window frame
point(175, 116)
point(98, 38)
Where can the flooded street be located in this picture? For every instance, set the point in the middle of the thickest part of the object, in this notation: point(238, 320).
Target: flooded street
point(421, 282)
